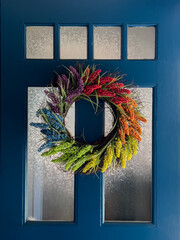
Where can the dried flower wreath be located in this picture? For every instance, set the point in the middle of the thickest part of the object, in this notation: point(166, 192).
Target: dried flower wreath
point(114, 149)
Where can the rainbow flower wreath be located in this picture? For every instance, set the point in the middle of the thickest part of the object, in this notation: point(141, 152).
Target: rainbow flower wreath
point(114, 149)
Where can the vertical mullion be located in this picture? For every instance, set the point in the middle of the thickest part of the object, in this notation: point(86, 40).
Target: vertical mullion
point(156, 41)
point(124, 42)
point(90, 44)
point(56, 41)
point(88, 185)
point(102, 198)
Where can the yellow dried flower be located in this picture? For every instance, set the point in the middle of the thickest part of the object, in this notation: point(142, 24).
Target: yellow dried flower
point(105, 164)
point(129, 156)
point(133, 145)
point(107, 159)
point(128, 152)
point(90, 165)
point(123, 157)
point(135, 151)
point(118, 145)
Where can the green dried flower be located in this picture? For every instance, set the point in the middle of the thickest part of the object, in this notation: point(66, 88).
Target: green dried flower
point(74, 157)
point(56, 149)
point(80, 162)
point(67, 153)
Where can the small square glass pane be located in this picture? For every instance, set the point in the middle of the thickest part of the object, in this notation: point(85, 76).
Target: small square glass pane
point(107, 42)
point(128, 192)
point(73, 42)
point(141, 42)
point(49, 189)
point(39, 42)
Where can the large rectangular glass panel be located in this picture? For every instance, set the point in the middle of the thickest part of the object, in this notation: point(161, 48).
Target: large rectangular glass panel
point(73, 42)
point(39, 42)
point(49, 189)
point(141, 43)
point(107, 42)
point(128, 192)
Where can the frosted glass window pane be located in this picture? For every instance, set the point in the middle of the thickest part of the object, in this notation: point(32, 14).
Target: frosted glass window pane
point(109, 119)
point(141, 42)
point(50, 190)
point(107, 42)
point(39, 42)
point(73, 42)
point(128, 192)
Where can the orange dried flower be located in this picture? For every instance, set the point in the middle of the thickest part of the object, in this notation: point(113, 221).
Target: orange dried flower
point(130, 111)
point(120, 106)
point(139, 118)
point(122, 135)
point(121, 110)
point(134, 134)
point(124, 124)
point(131, 102)
point(136, 126)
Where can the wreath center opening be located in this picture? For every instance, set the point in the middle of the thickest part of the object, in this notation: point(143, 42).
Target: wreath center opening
point(89, 121)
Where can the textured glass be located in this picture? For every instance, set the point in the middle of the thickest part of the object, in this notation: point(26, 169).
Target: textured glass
point(108, 120)
point(128, 192)
point(107, 42)
point(73, 42)
point(39, 42)
point(50, 190)
point(141, 42)
point(70, 120)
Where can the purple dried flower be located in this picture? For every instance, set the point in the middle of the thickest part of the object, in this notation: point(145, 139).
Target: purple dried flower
point(74, 72)
point(76, 92)
point(76, 75)
point(73, 94)
point(59, 80)
point(80, 85)
point(59, 83)
point(52, 96)
point(55, 109)
point(66, 81)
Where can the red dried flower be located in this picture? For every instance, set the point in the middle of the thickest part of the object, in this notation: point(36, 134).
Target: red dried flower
point(117, 85)
point(89, 89)
point(105, 93)
point(86, 74)
point(105, 80)
point(120, 90)
point(117, 100)
point(94, 76)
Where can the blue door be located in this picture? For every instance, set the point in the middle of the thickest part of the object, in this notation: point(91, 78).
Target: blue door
point(151, 29)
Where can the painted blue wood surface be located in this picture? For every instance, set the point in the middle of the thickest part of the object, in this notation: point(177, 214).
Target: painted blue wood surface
point(163, 74)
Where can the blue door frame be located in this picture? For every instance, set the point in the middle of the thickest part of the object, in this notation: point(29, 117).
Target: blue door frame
point(17, 73)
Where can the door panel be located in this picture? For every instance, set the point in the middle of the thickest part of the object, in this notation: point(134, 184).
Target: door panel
point(128, 194)
point(19, 73)
point(49, 189)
